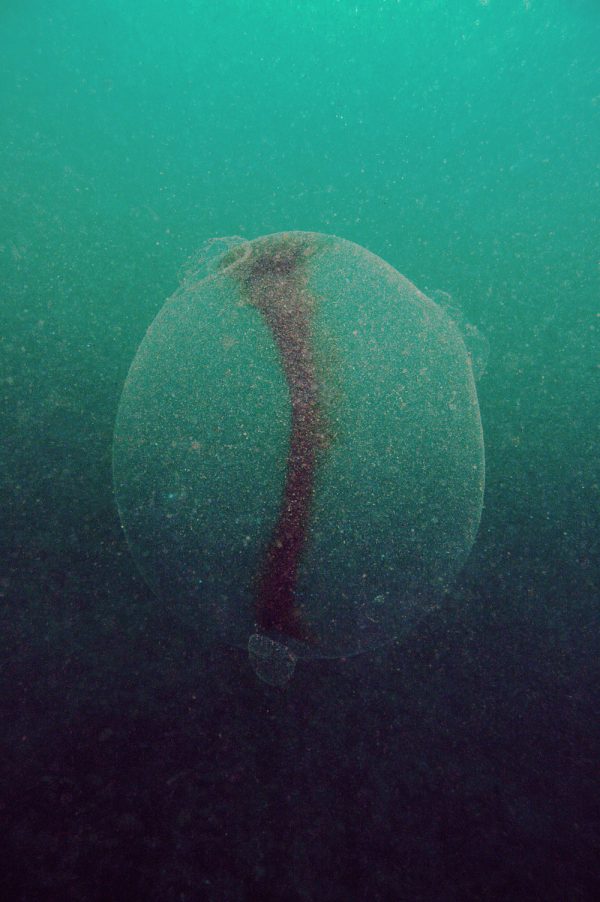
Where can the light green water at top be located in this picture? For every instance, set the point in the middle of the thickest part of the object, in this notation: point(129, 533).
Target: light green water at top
point(459, 141)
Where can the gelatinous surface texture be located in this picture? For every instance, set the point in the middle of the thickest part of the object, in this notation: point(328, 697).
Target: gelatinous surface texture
point(298, 451)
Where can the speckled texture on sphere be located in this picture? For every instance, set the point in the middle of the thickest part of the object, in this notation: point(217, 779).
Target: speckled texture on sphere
point(298, 450)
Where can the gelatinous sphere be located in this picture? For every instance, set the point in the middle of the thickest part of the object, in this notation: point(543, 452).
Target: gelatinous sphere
point(298, 453)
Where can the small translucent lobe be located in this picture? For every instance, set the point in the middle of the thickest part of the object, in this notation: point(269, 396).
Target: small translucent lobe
point(476, 342)
point(206, 260)
point(272, 662)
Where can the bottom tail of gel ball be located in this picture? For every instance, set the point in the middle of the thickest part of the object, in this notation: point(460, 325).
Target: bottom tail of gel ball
point(271, 661)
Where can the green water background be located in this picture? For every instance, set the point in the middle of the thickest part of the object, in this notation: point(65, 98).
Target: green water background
point(458, 140)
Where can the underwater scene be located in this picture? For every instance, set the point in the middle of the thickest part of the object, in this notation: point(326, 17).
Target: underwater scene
point(299, 470)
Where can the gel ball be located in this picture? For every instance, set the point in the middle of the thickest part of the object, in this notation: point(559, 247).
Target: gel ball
point(298, 453)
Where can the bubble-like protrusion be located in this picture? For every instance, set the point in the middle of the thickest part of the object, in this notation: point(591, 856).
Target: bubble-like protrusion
point(272, 662)
point(476, 343)
point(206, 261)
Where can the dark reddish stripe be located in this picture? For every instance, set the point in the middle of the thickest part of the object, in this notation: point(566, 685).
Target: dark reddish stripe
point(276, 603)
point(278, 291)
